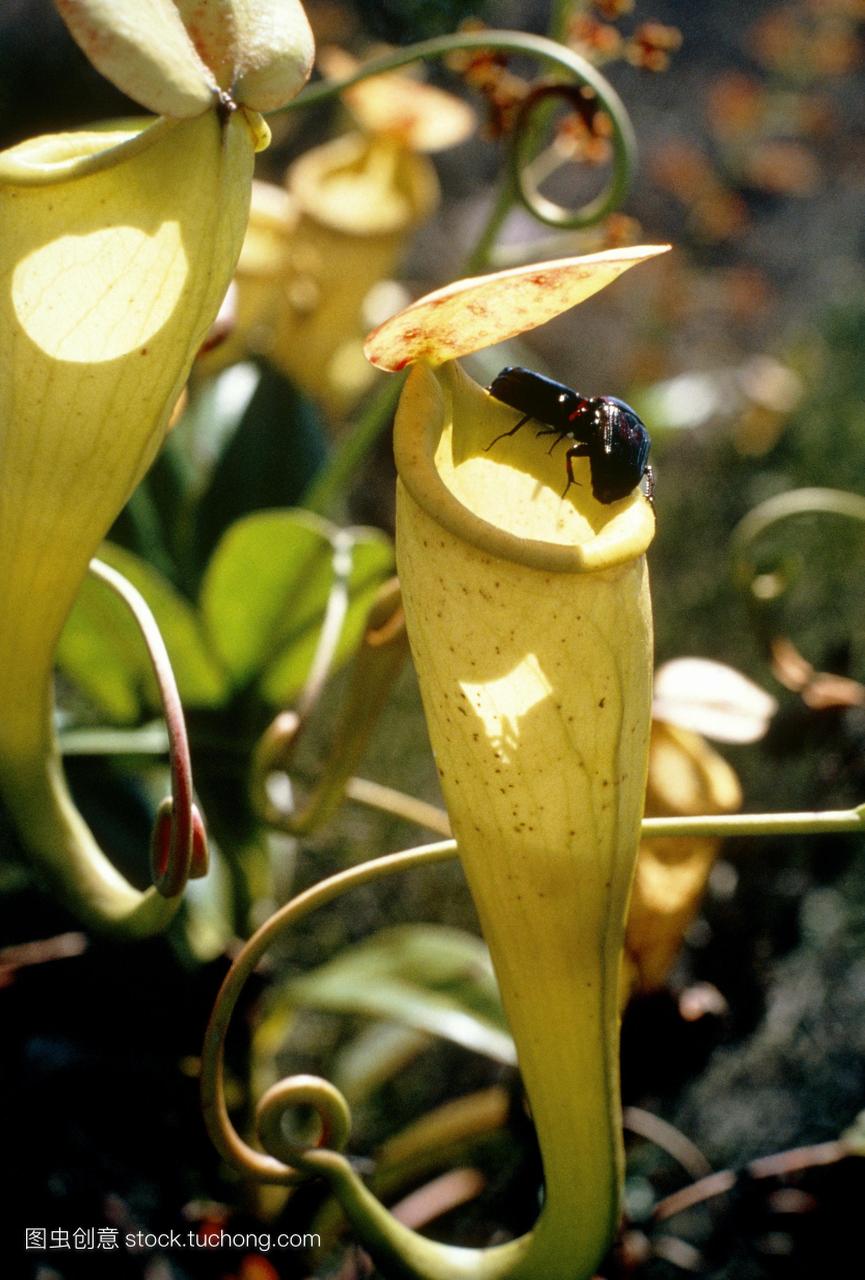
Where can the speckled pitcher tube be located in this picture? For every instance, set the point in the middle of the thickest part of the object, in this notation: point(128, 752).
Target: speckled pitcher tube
point(530, 627)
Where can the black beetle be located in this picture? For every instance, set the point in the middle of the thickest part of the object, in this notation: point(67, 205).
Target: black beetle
point(605, 430)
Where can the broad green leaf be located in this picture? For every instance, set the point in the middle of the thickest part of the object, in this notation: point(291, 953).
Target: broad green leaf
point(102, 650)
point(99, 651)
point(379, 1052)
point(265, 592)
point(271, 421)
point(427, 977)
point(216, 406)
point(372, 562)
point(258, 585)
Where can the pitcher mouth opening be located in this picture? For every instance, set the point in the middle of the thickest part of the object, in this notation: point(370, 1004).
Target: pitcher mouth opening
point(60, 157)
point(508, 501)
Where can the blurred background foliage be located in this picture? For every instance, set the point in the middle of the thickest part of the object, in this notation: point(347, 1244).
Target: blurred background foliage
point(743, 351)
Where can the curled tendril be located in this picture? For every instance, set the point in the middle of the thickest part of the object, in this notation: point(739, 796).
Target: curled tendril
point(545, 210)
point(761, 587)
point(287, 1096)
point(286, 1160)
point(178, 846)
point(798, 502)
point(579, 72)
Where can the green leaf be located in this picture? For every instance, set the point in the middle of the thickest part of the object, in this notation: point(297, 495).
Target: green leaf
point(102, 650)
point(428, 977)
point(262, 443)
point(266, 589)
point(379, 1052)
point(217, 406)
point(148, 740)
point(372, 563)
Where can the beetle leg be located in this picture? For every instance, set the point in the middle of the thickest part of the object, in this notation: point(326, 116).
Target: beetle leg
point(513, 431)
point(575, 451)
point(552, 431)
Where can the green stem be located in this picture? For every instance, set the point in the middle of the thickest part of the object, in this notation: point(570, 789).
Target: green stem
point(222, 1131)
point(481, 255)
point(797, 502)
point(332, 481)
point(398, 804)
point(541, 47)
point(178, 825)
point(725, 825)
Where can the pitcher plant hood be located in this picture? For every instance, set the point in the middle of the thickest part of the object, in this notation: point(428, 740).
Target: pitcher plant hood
point(176, 57)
